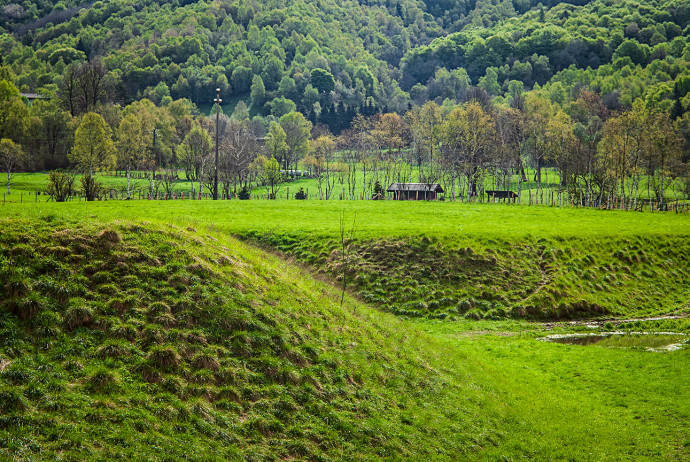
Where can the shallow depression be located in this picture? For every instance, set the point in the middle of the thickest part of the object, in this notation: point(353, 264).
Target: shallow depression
point(657, 341)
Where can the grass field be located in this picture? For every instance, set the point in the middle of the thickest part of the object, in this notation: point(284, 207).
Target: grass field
point(25, 186)
point(374, 386)
point(443, 220)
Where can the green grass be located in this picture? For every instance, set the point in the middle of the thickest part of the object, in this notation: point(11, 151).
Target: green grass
point(29, 183)
point(134, 341)
point(453, 260)
point(443, 220)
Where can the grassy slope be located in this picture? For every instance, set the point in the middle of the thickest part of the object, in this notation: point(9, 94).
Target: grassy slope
point(124, 341)
point(448, 393)
point(255, 361)
point(453, 259)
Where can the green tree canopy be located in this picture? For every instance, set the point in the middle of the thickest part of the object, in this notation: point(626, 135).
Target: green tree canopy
point(93, 149)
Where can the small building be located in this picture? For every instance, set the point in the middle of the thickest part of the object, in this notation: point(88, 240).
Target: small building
point(495, 194)
point(415, 191)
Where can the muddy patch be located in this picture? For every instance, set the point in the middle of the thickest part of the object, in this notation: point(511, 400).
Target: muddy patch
point(657, 341)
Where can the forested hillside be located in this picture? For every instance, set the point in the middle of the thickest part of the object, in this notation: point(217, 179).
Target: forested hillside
point(332, 59)
point(450, 92)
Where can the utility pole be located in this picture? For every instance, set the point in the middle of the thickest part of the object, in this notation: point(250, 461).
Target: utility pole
point(215, 177)
point(153, 163)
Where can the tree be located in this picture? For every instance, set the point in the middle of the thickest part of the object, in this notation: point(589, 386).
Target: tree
point(423, 123)
point(12, 157)
point(93, 151)
point(241, 112)
point(281, 106)
point(560, 143)
point(257, 95)
point(55, 133)
point(132, 141)
point(275, 142)
point(467, 138)
point(268, 173)
point(195, 152)
point(13, 111)
point(322, 80)
point(297, 136)
point(238, 147)
point(319, 163)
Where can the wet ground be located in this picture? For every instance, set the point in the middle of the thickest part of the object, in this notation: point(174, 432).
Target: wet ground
point(657, 341)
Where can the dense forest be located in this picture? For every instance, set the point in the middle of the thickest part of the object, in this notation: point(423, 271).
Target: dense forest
point(297, 71)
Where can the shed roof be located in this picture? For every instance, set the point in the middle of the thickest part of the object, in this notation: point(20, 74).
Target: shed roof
point(421, 187)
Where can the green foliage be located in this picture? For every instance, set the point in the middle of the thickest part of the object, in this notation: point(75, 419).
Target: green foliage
point(94, 149)
point(60, 185)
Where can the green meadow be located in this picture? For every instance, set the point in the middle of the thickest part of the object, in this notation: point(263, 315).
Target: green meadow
point(24, 187)
point(142, 330)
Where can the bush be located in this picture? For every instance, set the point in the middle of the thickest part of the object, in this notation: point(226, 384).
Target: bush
point(11, 401)
point(60, 185)
point(301, 195)
point(378, 191)
point(90, 187)
point(165, 357)
point(244, 194)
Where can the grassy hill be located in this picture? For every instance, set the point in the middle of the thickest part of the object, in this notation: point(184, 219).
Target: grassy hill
point(162, 337)
point(453, 259)
point(137, 341)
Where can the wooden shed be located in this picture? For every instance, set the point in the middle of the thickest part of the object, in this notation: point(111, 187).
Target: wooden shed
point(415, 191)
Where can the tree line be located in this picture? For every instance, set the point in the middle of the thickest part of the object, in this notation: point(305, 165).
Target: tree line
point(601, 157)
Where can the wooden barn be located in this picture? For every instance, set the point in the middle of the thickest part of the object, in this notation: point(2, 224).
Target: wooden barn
point(415, 191)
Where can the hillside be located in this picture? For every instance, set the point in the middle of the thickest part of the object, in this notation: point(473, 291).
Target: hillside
point(333, 59)
point(130, 340)
point(139, 340)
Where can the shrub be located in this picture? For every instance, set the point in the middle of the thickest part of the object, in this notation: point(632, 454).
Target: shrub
point(17, 287)
point(112, 350)
point(244, 194)
point(28, 307)
point(60, 185)
point(90, 187)
point(301, 195)
point(205, 361)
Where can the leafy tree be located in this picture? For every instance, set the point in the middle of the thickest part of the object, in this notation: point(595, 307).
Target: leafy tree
point(297, 137)
point(322, 80)
point(281, 106)
point(12, 157)
point(276, 145)
point(268, 173)
point(132, 142)
point(258, 92)
point(195, 153)
point(241, 112)
point(13, 111)
point(93, 151)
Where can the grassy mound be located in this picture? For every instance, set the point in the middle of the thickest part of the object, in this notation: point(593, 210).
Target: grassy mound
point(142, 342)
point(493, 279)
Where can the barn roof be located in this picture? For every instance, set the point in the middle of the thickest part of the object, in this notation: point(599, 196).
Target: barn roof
point(413, 187)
